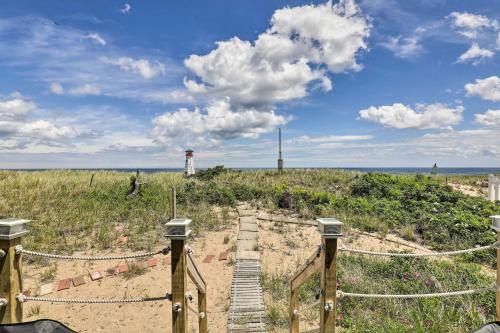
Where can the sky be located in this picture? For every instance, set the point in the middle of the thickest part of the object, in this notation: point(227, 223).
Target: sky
point(366, 83)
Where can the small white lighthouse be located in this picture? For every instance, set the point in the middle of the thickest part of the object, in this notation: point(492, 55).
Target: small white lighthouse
point(189, 168)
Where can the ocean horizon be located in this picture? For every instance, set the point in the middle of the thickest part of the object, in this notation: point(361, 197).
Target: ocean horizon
point(390, 170)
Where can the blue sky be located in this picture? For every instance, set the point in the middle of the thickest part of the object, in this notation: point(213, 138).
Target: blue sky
point(352, 83)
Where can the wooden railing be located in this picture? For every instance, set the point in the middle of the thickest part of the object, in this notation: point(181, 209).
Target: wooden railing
point(324, 260)
point(183, 265)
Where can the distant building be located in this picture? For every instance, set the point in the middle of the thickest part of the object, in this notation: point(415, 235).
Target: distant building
point(280, 159)
point(493, 188)
point(189, 167)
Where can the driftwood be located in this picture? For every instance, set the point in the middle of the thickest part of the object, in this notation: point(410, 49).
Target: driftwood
point(135, 185)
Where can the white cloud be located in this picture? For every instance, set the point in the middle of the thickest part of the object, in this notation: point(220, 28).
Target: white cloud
point(140, 66)
point(490, 118)
point(126, 8)
point(217, 122)
point(56, 88)
point(423, 116)
point(481, 30)
point(470, 24)
point(487, 89)
point(475, 54)
point(86, 89)
point(43, 129)
point(15, 108)
point(330, 138)
point(408, 47)
point(96, 38)
point(284, 60)
point(15, 122)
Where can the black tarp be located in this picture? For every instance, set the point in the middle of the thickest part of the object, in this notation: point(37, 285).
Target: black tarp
point(37, 326)
point(490, 328)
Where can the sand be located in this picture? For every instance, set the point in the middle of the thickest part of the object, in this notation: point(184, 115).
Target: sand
point(136, 317)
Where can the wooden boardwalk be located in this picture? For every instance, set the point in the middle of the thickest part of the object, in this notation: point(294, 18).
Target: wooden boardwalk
point(247, 311)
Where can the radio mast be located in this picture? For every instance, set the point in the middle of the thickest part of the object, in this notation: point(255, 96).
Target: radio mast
point(280, 159)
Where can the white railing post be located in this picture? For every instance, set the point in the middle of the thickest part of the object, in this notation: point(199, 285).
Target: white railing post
point(11, 280)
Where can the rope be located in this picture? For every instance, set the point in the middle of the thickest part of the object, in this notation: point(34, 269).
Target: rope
point(196, 313)
point(19, 249)
point(414, 255)
point(341, 294)
point(23, 298)
point(310, 305)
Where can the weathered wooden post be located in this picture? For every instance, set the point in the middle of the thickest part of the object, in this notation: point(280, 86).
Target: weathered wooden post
point(330, 230)
point(495, 225)
point(11, 282)
point(174, 203)
point(202, 308)
point(294, 314)
point(178, 231)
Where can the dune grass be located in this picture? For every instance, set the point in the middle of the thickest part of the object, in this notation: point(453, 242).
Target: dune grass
point(360, 274)
point(68, 215)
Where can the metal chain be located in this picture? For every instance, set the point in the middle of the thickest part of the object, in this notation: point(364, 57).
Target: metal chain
point(414, 255)
point(23, 298)
point(19, 249)
point(341, 294)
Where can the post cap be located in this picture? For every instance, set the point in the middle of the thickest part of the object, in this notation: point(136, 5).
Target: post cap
point(13, 228)
point(330, 227)
point(495, 222)
point(178, 228)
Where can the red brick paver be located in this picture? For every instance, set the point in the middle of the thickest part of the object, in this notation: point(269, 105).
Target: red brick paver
point(223, 255)
point(123, 267)
point(95, 276)
point(152, 262)
point(208, 259)
point(112, 271)
point(63, 284)
point(78, 281)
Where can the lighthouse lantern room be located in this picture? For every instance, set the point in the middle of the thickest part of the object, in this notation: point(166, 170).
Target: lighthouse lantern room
point(189, 168)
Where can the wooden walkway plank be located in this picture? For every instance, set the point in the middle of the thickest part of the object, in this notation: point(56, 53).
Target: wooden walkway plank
point(247, 312)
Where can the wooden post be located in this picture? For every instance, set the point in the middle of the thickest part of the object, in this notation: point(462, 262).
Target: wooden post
point(178, 231)
point(294, 305)
point(11, 282)
point(330, 230)
point(495, 225)
point(329, 286)
point(174, 203)
point(202, 307)
point(497, 316)
point(179, 286)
